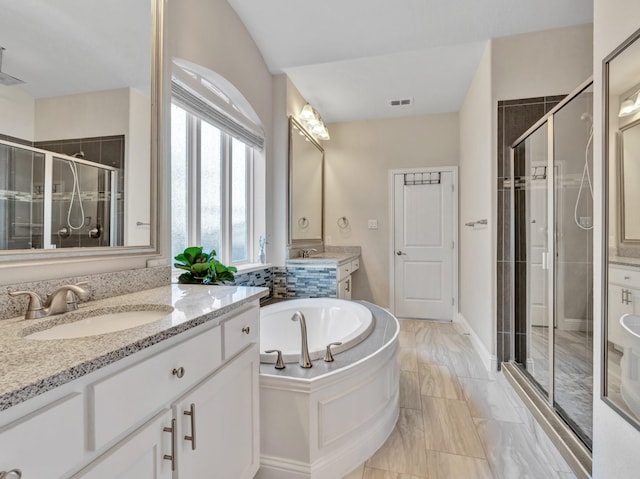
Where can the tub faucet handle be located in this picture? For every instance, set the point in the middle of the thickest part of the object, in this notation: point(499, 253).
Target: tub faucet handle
point(328, 357)
point(279, 360)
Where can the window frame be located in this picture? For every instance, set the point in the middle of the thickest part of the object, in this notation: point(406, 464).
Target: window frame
point(194, 191)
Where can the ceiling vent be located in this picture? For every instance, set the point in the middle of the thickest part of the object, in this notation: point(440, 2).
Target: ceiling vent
point(403, 102)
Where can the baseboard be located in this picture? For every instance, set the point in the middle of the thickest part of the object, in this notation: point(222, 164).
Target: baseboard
point(490, 361)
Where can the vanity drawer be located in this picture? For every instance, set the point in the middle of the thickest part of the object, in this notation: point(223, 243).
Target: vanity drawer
point(625, 277)
point(241, 331)
point(128, 397)
point(344, 271)
point(48, 442)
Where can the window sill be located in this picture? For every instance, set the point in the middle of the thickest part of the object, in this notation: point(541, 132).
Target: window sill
point(242, 269)
point(250, 268)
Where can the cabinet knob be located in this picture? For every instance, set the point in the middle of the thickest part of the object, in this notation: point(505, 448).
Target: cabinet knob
point(246, 330)
point(178, 372)
point(12, 474)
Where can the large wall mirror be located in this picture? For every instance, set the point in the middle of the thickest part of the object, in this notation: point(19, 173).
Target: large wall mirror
point(621, 240)
point(78, 127)
point(306, 159)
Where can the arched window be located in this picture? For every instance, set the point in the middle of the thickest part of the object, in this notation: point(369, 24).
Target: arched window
point(214, 144)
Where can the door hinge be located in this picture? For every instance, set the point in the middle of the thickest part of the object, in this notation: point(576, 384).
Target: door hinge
point(453, 245)
point(453, 302)
point(453, 188)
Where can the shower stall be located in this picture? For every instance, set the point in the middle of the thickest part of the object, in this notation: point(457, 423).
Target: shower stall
point(51, 200)
point(552, 220)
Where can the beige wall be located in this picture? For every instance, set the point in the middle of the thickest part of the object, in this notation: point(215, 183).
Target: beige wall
point(18, 109)
point(357, 162)
point(477, 246)
point(520, 66)
point(615, 445)
point(209, 33)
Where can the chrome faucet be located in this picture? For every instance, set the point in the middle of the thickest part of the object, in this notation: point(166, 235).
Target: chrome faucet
point(62, 300)
point(306, 253)
point(305, 360)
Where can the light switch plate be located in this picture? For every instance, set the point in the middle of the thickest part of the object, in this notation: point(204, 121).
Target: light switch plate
point(372, 224)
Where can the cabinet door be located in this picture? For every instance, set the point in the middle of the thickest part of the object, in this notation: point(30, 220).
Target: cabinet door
point(224, 425)
point(344, 288)
point(621, 301)
point(139, 456)
point(47, 443)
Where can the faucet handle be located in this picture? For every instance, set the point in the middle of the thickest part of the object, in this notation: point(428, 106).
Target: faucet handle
point(328, 357)
point(34, 307)
point(279, 361)
point(72, 298)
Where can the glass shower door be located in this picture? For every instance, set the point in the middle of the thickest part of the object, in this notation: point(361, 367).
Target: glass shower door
point(552, 219)
point(533, 277)
point(573, 332)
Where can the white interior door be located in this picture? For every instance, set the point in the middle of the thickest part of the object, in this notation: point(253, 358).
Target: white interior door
point(423, 244)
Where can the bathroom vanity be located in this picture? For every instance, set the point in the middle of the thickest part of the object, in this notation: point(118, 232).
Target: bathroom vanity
point(327, 274)
point(174, 398)
point(624, 294)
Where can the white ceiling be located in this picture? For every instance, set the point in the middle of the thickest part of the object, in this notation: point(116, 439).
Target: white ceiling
point(63, 47)
point(350, 57)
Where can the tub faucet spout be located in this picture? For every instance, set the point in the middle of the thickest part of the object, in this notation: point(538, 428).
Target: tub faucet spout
point(305, 360)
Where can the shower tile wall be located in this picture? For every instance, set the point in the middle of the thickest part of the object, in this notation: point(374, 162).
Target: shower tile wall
point(106, 150)
point(514, 118)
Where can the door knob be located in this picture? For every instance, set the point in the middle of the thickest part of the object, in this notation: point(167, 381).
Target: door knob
point(400, 253)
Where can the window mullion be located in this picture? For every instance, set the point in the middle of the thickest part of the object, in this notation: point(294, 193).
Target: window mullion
point(251, 253)
point(225, 198)
point(193, 187)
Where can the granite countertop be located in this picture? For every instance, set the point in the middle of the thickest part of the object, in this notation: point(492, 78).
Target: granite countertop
point(325, 258)
point(624, 261)
point(30, 367)
point(386, 328)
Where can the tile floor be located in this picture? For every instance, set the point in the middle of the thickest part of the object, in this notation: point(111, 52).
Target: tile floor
point(456, 419)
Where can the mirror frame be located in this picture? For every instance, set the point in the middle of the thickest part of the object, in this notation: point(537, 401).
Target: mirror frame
point(158, 113)
point(606, 160)
point(309, 241)
point(622, 240)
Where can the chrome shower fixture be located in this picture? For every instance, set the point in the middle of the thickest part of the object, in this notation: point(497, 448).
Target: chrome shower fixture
point(7, 80)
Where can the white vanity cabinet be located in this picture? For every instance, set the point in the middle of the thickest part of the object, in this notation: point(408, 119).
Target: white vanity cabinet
point(218, 423)
point(188, 410)
point(47, 442)
point(623, 298)
point(140, 455)
point(345, 281)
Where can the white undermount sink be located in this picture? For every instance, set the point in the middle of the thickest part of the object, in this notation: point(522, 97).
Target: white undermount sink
point(631, 324)
point(102, 322)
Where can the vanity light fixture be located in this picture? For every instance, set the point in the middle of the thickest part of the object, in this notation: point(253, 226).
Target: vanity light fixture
point(312, 122)
point(630, 106)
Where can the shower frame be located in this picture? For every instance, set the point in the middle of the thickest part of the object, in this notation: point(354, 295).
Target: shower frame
point(542, 402)
point(48, 189)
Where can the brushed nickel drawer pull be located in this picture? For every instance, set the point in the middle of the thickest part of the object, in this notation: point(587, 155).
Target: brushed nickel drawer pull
point(246, 330)
point(192, 413)
point(171, 457)
point(178, 372)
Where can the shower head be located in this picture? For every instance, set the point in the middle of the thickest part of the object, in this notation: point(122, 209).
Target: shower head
point(586, 117)
point(7, 80)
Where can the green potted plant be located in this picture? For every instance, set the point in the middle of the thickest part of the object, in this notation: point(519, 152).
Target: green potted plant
point(203, 268)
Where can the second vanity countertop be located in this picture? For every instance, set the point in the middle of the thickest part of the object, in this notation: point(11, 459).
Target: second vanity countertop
point(325, 259)
point(31, 367)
